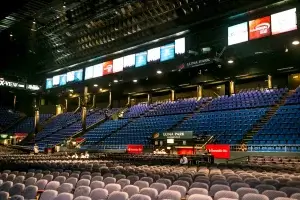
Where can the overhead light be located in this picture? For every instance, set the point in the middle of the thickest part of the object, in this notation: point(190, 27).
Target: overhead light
point(64, 6)
point(135, 81)
point(10, 35)
point(95, 85)
point(71, 90)
point(296, 42)
point(159, 72)
point(286, 50)
point(230, 61)
point(115, 81)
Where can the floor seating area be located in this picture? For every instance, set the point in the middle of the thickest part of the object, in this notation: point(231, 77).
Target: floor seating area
point(27, 125)
point(227, 126)
point(8, 116)
point(248, 99)
point(94, 180)
point(282, 128)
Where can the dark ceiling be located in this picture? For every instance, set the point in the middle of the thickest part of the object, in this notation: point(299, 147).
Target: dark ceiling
point(42, 35)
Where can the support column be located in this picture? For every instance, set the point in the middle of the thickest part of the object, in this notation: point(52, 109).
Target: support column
point(15, 101)
point(94, 101)
point(199, 92)
point(109, 100)
point(270, 82)
point(66, 105)
point(129, 101)
point(149, 101)
point(83, 108)
point(79, 103)
point(172, 95)
point(36, 120)
point(231, 88)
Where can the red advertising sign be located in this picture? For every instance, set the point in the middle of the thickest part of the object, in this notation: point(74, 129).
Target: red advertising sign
point(135, 148)
point(107, 67)
point(21, 135)
point(259, 28)
point(79, 140)
point(185, 151)
point(219, 151)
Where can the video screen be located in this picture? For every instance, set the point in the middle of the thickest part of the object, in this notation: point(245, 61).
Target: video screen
point(89, 71)
point(167, 52)
point(284, 21)
point(118, 65)
point(63, 79)
point(49, 83)
point(153, 54)
point(238, 33)
point(259, 28)
point(141, 59)
point(107, 67)
point(56, 80)
point(180, 46)
point(129, 61)
point(78, 74)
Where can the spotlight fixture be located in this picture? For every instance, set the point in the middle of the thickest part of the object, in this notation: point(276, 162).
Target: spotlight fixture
point(115, 81)
point(135, 81)
point(95, 85)
point(71, 90)
point(33, 22)
point(230, 61)
point(64, 6)
point(11, 35)
point(159, 72)
point(296, 42)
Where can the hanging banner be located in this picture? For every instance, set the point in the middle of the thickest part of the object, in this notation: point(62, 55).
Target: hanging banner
point(219, 151)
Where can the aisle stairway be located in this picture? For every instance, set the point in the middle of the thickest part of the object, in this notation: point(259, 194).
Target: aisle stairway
point(264, 120)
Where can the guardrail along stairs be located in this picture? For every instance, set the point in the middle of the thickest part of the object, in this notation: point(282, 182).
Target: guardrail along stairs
point(264, 120)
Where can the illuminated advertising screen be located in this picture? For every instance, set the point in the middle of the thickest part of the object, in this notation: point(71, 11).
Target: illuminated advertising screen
point(55, 80)
point(129, 61)
point(141, 59)
point(259, 28)
point(153, 54)
point(180, 46)
point(70, 76)
point(49, 83)
point(98, 70)
point(107, 67)
point(284, 21)
point(63, 79)
point(238, 33)
point(78, 74)
point(167, 52)
point(118, 65)
point(89, 72)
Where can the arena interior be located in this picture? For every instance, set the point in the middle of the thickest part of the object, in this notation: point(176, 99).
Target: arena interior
point(150, 100)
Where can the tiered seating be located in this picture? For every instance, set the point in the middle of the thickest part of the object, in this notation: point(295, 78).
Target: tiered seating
point(102, 130)
point(294, 98)
point(137, 110)
point(8, 116)
point(282, 128)
point(249, 99)
point(66, 132)
point(141, 130)
point(177, 107)
point(228, 126)
point(27, 125)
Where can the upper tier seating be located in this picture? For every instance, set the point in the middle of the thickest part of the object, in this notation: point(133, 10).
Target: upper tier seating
point(8, 116)
point(102, 130)
point(137, 110)
point(249, 99)
point(294, 98)
point(70, 123)
point(228, 126)
point(282, 128)
point(141, 130)
point(27, 125)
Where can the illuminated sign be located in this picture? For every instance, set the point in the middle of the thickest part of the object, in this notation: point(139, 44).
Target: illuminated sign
point(259, 28)
point(63, 79)
point(284, 21)
point(167, 52)
point(129, 61)
point(75, 76)
point(153, 54)
point(55, 80)
point(180, 46)
point(141, 59)
point(11, 84)
point(238, 33)
point(49, 83)
point(118, 65)
point(32, 87)
point(107, 67)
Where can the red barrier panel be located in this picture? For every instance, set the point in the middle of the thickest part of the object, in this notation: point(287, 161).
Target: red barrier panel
point(185, 151)
point(135, 148)
point(219, 151)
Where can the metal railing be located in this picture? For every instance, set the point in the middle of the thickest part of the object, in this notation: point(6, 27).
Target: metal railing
point(267, 148)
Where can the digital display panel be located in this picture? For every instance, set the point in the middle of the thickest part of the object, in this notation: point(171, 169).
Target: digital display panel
point(129, 61)
point(153, 54)
point(107, 67)
point(118, 65)
point(259, 28)
point(63, 79)
point(180, 46)
point(49, 83)
point(141, 59)
point(55, 80)
point(89, 72)
point(98, 70)
point(284, 21)
point(74, 76)
point(238, 33)
point(167, 52)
